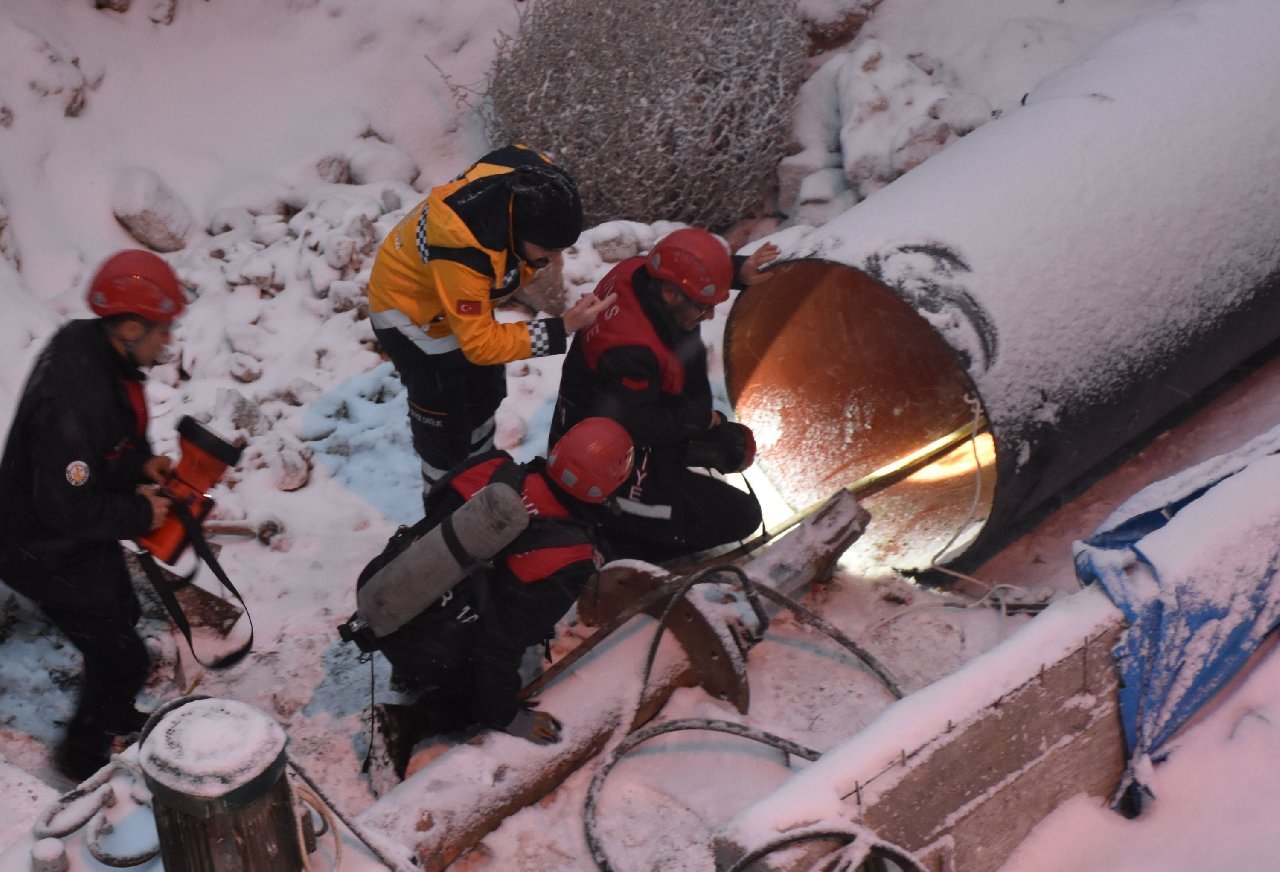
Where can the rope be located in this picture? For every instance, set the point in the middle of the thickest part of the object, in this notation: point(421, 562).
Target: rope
point(356, 830)
point(678, 586)
point(871, 848)
point(804, 615)
point(654, 597)
point(969, 517)
point(96, 788)
point(678, 593)
point(88, 801)
point(311, 798)
point(995, 596)
point(814, 620)
point(99, 828)
point(87, 804)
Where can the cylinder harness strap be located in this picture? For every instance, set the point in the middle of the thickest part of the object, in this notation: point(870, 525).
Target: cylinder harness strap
point(164, 589)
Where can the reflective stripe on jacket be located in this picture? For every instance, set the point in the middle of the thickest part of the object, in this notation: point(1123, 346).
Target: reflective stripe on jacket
point(442, 270)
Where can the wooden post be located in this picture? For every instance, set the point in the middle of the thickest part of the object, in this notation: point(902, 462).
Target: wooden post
point(221, 801)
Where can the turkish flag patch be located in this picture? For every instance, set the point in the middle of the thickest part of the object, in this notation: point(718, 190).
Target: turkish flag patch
point(469, 307)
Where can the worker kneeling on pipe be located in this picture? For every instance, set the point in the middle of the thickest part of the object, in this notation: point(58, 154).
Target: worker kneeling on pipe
point(501, 555)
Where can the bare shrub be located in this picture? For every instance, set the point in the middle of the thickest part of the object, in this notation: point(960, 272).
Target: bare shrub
point(662, 109)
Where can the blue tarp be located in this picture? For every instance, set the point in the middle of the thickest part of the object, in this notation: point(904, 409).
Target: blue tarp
point(1191, 562)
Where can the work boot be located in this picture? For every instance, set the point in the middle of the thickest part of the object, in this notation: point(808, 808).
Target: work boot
point(78, 757)
point(397, 730)
point(392, 743)
point(126, 723)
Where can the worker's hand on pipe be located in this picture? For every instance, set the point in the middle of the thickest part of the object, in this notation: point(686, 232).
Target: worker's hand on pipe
point(753, 270)
point(584, 312)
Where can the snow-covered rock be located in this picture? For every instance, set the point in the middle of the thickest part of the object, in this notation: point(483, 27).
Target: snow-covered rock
point(150, 210)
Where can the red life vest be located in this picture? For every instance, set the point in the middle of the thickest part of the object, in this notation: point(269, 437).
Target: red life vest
point(625, 323)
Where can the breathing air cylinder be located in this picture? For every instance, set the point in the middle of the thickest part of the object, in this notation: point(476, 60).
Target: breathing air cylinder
point(430, 566)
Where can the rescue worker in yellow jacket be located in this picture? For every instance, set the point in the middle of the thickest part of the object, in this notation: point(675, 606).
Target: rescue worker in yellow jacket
point(437, 279)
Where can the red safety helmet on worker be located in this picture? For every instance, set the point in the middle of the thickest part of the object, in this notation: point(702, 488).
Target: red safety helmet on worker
point(137, 282)
point(592, 459)
point(695, 261)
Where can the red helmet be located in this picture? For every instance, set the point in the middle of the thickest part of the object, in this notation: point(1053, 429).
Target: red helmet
point(592, 459)
point(697, 262)
point(136, 282)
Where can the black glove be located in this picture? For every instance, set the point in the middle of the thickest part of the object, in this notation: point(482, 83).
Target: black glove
point(726, 447)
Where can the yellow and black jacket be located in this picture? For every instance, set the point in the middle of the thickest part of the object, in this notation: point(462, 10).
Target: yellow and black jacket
point(451, 260)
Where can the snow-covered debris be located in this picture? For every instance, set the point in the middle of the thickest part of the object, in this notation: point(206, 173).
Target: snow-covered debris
point(150, 210)
point(864, 118)
point(34, 71)
point(832, 23)
point(373, 160)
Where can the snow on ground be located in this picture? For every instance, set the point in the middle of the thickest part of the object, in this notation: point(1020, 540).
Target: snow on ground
point(293, 135)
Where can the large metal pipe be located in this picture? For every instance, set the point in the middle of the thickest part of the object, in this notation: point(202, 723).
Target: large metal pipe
point(1064, 276)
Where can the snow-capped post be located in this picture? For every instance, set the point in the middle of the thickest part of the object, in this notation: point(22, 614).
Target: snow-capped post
point(1063, 277)
point(222, 803)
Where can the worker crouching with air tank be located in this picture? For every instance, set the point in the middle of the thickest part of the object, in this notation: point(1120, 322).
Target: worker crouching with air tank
point(501, 555)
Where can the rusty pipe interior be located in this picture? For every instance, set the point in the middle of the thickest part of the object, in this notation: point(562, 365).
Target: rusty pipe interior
point(846, 386)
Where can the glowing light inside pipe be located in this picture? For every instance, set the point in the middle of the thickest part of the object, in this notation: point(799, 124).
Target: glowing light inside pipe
point(964, 460)
point(901, 468)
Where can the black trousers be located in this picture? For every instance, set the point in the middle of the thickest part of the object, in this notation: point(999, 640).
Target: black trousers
point(465, 653)
point(666, 510)
point(89, 597)
point(451, 402)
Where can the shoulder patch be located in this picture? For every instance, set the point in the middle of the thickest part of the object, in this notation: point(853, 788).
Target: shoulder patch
point(77, 473)
point(469, 307)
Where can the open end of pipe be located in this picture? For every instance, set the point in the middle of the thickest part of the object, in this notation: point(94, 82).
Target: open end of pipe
point(846, 386)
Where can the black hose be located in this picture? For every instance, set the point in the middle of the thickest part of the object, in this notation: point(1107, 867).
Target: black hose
point(594, 844)
point(803, 614)
point(870, 848)
point(676, 589)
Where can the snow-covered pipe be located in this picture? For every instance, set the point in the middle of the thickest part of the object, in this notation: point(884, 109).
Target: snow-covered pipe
point(1068, 274)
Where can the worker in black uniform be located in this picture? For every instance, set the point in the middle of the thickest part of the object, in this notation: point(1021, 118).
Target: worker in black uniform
point(77, 476)
point(643, 363)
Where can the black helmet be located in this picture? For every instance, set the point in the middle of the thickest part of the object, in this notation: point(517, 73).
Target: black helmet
point(546, 208)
